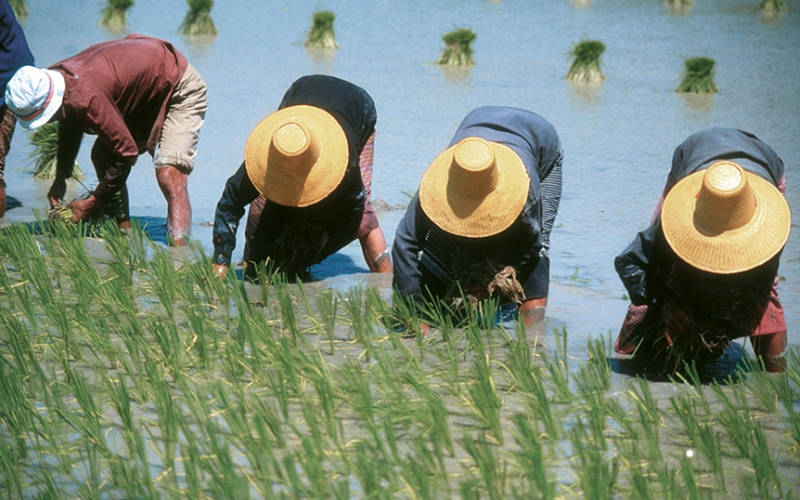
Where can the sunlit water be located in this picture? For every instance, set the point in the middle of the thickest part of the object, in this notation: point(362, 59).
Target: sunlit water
point(618, 136)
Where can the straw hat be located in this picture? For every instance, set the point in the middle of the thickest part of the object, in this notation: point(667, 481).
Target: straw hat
point(34, 95)
point(297, 155)
point(475, 188)
point(724, 219)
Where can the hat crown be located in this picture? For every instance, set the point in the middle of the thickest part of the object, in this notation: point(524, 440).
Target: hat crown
point(726, 200)
point(294, 149)
point(474, 170)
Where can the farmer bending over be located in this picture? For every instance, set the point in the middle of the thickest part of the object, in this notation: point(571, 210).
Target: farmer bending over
point(481, 220)
point(705, 271)
point(15, 53)
point(306, 174)
point(136, 94)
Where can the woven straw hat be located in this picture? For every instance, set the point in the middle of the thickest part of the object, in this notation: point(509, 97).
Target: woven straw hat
point(475, 188)
point(297, 155)
point(724, 219)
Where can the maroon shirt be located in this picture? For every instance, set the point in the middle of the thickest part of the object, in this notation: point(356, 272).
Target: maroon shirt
point(119, 91)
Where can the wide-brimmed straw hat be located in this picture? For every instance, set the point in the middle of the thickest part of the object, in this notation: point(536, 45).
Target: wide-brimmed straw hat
point(724, 219)
point(34, 95)
point(297, 155)
point(475, 188)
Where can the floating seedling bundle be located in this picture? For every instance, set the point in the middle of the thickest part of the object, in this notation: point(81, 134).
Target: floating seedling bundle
point(698, 76)
point(586, 65)
point(321, 35)
point(20, 8)
point(113, 14)
point(198, 19)
point(458, 48)
point(45, 152)
point(773, 6)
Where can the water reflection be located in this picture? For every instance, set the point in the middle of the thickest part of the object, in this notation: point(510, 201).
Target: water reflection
point(459, 75)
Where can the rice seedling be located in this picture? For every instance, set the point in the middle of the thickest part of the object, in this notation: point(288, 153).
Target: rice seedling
point(490, 468)
point(458, 48)
point(45, 149)
point(321, 34)
point(698, 76)
point(586, 64)
point(679, 6)
point(20, 8)
point(531, 457)
point(198, 19)
point(773, 6)
point(327, 303)
point(113, 14)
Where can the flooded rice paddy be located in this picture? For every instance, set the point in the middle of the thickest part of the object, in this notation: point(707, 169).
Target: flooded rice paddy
point(125, 368)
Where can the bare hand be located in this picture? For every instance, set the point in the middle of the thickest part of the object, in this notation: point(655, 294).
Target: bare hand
point(81, 209)
point(56, 193)
point(220, 270)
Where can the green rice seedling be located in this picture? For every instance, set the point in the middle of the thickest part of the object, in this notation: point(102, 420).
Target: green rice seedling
point(759, 384)
point(689, 482)
point(20, 8)
point(113, 14)
point(768, 480)
point(557, 368)
point(698, 76)
point(597, 474)
point(586, 64)
point(458, 48)
point(484, 400)
point(45, 149)
point(327, 303)
point(198, 19)
point(15, 416)
point(531, 457)
point(773, 6)
point(321, 34)
point(491, 469)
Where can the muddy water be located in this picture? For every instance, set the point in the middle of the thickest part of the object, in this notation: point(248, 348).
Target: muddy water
point(618, 136)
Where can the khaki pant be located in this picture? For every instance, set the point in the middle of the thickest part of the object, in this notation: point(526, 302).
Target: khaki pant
point(186, 111)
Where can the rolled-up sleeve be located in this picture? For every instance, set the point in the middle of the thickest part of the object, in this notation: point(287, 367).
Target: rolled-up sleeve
point(238, 193)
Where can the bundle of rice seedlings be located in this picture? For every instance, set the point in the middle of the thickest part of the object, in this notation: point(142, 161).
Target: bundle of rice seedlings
point(111, 210)
point(45, 151)
point(20, 9)
point(698, 76)
point(773, 6)
point(321, 35)
point(113, 14)
point(457, 50)
point(679, 4)
point(198, 20)
point(586, 66)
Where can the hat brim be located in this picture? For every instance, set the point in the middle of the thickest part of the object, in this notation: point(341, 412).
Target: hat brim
point(475, 218)
point(57, 81)
point(322, 178)
point(732, 251)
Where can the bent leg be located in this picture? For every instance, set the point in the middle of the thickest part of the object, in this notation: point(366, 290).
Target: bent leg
point(176, 151)
point(173, 184)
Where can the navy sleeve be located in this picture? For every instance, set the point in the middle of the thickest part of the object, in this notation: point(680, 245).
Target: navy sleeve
point(238, 192)
point(632, 264)
point(407, 278)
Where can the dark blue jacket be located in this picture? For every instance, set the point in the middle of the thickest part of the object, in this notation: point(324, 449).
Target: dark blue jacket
point(523, 244)
point(14, 50)
point(648, 252)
